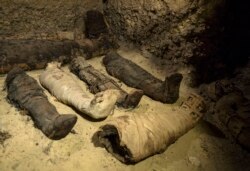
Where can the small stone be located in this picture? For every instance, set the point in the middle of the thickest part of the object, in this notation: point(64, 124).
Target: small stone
point(65, 35)
point(194, 161)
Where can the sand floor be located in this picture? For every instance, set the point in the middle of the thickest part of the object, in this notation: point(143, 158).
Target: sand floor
point(201, 149)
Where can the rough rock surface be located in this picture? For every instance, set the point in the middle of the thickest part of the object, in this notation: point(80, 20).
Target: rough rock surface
point(162, 27)
point(44, 19)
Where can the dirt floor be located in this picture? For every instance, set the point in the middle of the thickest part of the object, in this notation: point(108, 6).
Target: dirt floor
point(25, 148)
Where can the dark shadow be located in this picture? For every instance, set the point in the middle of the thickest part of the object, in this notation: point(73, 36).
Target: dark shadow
point(226, 43)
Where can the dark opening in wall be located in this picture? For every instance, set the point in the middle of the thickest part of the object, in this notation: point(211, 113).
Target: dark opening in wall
point(226, 44)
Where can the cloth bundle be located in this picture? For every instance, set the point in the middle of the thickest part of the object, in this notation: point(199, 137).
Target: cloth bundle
point(65, 89)
point(98, 82)
point(25, 93)
point(134, 137)
point(134, 76)
point(33, 54)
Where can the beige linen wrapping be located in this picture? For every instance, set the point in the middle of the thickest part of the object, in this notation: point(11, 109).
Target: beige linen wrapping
point(131, 138)
point(65, 89)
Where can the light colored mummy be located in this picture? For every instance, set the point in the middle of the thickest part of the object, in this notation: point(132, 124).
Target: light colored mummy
point(65, 89)
point(134, 137)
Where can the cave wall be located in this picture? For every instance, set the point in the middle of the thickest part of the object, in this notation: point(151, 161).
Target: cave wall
point(44, 19)
point(166, 28)
point(178, 31)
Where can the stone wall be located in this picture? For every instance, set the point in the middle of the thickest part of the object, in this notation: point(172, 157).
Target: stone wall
point(45, 19)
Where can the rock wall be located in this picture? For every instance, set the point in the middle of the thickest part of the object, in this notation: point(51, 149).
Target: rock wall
point(45, 19)
point(175, 30)
point(160, 26)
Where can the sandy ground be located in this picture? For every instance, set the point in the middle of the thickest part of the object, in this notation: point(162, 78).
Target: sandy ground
point(201, 149)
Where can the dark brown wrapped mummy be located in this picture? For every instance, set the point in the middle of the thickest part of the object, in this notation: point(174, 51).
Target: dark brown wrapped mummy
point(25, 93)
point(99, 40)
point(134, 76)
point(33, 54)
point(95, 24)
point(97, 47)
point(98, 82)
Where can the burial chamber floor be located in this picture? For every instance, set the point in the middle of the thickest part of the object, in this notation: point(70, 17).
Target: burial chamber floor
point(27, 148)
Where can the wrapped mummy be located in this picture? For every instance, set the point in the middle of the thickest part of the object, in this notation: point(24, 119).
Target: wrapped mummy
point(98, 39)
point(98, 82)
point(133, 75)
point(134, 137)
point(25, 93)
point(65, 89)
point(232, 114)
point(229, 110)
point(33, 54)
